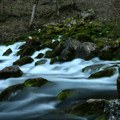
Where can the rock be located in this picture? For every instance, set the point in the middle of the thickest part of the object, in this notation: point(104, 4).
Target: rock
point(104, 73)
point(112, 109)
point(106, 53)
point(35, 82)
point(23, 61)
point(118, 85)
point(27, 51)
point(7, 52)
point(65, 50)
point(116, 55)
point(92, 68)
point(33, 42)
point(41, 62)
point(10, 92)
point(40, 55)
point(49, 54)
point(11, 71)
point(88, 107)
point(67, 93)
point(85, 50)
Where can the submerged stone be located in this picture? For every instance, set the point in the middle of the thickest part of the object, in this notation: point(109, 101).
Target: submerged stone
point(41, 62)
point(23, 61)
point(14, 89)
point(7, 52)
point(11, 71)
point(10, 92)
point(35, 82)
point(67, 93)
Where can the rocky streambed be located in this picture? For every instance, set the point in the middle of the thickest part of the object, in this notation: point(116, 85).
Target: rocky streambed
point(68, 70)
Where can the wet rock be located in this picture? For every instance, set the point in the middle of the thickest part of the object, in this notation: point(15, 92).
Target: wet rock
point(116, 55)
point(118, 84)
point(35, 82)
point(112, 109)
point(67, 93)
point(106, 53)
point(41, 62)
point(10, 92)
point(49, 54)
point(23, 61)
point(88, 107)
point(65, 50)
point(11, 71)
point(27, 51)
point(85, 50)
point(14, 89)
point(7, 52)
point(40, 55)
point(104, 73)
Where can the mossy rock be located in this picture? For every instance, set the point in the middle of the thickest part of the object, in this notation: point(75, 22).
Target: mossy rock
point(87, 108)
point(7, 52)
point(23, 61)
point(49, 54)
point(41, 62)
point(67, 93)
point(35, 82)
point(104, 73)
point(116, 55)
point(10, 91)
point(53, 60)
point(106, 54)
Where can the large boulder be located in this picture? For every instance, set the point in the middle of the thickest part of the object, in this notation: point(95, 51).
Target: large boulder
point(29, 47)
point(11, 71)
point(65, 50)
point(86, 50)
point(23, 61)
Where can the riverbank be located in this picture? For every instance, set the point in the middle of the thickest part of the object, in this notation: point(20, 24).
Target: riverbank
point(16, 17)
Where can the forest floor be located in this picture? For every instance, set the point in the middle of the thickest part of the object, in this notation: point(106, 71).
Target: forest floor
point(17, 13)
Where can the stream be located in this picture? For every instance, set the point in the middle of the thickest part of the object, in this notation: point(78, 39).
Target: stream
point(41, 103)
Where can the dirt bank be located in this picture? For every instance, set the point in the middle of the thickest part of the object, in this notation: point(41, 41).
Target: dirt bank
point(16, 16)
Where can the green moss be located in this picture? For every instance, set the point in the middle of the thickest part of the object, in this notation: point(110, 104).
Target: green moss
point(65, 94)
point(35, 82)
point(104, 73)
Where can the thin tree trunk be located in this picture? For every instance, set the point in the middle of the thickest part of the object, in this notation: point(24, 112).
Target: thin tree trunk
point(57, 7)
point(1, 7)
point(33, 12)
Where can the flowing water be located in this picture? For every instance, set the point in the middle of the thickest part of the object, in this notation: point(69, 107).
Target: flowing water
point(40, 103)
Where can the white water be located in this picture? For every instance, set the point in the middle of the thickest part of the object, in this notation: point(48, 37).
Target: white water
point(34, 102)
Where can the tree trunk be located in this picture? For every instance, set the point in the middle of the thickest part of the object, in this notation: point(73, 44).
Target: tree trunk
point(1, 7)
point(33, 12)
point(57, 7)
